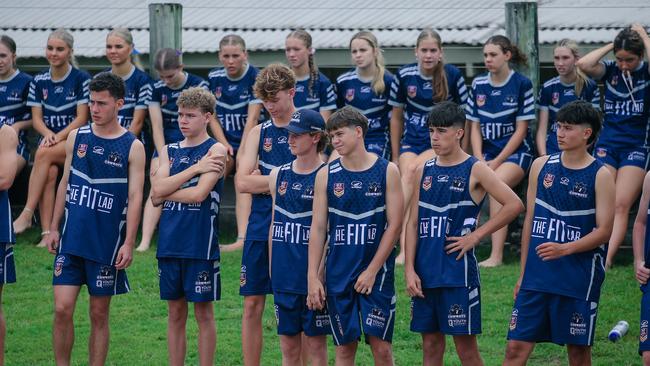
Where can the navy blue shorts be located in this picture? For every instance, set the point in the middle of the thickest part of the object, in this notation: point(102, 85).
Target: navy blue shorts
point(379, 148)
point(543, 317)
point(351, 313)
point(23, 149)
point(7, 266)
point(101, 279)
point(448, 310)
point(292, 316)
point(196, 280)
point(254, 276)
point(416, 148)
point(619, 158)
point(644, 342)
point(521, 159)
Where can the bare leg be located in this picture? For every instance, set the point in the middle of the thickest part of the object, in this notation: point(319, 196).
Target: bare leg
point(99, 330)
point(579, 355)
point(46, 205)
point(517, 353)
point(346, 353)
point(150, 216)
point(629, 181)
point(251, 332)
point(406, 164)
point(317, 349)
point(382, 351)
point(433, 348)
point(65, 298)
point(176, 338)
point(291, 346)
point(467, 350)
point(204, 314)
point(511, 174)
point(45, 157)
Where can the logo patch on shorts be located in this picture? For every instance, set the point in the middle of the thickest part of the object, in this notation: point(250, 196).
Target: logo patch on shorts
point(322, 319)
point(339, 189)
point(577, 325)
point(81, 150)
point(456, 316)
point(376, 318)
point(242, 276)
point(548, 180)
point(513, 319)
point(58, 265)
point(277, 314)
point(643, 334)
point(202, 283)
point(105, 278)
point(426, 182)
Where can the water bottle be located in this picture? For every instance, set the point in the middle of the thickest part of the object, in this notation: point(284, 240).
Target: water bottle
point(619, 330)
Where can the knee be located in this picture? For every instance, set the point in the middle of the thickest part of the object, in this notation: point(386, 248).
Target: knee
point(290, 352)
point(579, 355)
point(622, 206)
point(469, 356)
point(204, 315)
point(433, 345)
point(384, 352)
point(253, 307)
point(63, 312)
point(99, 316)
point(52, 173)
point(513, 351)
point(347, 352)
point(177, 315)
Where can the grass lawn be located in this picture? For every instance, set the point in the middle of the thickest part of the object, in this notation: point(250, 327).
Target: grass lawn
point(138, 323)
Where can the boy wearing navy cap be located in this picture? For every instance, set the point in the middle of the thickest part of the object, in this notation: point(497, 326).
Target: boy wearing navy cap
point(292, 188)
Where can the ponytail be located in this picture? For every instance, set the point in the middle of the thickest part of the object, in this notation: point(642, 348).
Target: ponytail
point(516, 56)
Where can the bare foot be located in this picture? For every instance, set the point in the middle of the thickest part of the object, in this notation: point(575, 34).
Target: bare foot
point(237, 245)
point(23, 221)
point(143, 247)
point(400, 258)
point(491, 262)
point(41, 244)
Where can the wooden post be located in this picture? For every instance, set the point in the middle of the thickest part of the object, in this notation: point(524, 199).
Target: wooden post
point(521, 28)
point(165, 29)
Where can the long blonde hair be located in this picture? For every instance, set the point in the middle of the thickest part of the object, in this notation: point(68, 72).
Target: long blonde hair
point(440, 87)
point(581, 78)
point(378, 85)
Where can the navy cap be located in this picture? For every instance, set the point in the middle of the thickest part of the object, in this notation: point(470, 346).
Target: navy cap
point(306, 121)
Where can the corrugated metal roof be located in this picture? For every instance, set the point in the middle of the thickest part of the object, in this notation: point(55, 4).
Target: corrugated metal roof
point(264, 25)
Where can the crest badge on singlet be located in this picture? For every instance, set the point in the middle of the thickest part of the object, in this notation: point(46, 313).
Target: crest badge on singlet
point(339, 189)
point(555, 98)
point(81, 150)
point(282, 189)
point(480, 100)
point(44, 94)
point(548, 180)
point(268, 144)
point(412, 91)
point(217, 92)
point(349, 95)
point(426, 182)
